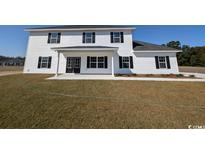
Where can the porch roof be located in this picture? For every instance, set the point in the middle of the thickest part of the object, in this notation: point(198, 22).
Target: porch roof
point(87, 48)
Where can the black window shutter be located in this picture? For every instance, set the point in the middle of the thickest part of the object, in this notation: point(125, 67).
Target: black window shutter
point(59, 37)
point(168, 62)
point(83, 37)
point(122, 37)
point(156, 62)
point(88, 62)
point(93, 37)
point(49, 37)
point(111, 37)
point(49, 62)
point(105, 61)
point(39, 62)
point(120, 61)
point(131, 62)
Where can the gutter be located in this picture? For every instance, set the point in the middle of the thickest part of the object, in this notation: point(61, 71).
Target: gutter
point(77, 29)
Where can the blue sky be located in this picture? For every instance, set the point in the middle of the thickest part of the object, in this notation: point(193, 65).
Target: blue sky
point(13, 39)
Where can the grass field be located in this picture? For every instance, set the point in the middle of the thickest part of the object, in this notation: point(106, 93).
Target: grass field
point(29, 101)
point(192, 69)
point(11, 68)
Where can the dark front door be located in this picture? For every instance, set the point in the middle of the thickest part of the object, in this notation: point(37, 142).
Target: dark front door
point(73, 65)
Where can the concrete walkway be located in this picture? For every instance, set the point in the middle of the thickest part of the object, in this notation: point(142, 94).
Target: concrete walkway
point(109, 77)
point(198, 75)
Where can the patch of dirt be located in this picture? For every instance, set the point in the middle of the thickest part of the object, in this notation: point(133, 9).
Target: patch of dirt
point(156, 75)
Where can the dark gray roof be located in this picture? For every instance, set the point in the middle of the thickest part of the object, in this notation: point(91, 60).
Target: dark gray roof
point(81, 47)
point(139, 46)
point(82, 26)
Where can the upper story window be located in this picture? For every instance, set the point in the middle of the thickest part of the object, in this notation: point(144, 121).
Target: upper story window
point(89, 37)
point(44, 62)
point(117, 37)
point(162, 62)
point(54, 38)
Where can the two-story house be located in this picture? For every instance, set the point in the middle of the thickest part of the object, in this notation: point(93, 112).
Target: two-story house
point(95, 49)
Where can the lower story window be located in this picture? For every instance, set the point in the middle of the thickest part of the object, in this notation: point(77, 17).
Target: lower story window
point(93, 62)
point(44, 62)
point(162, 62)
point(126, 62)
point(97, 62)
point(101, 62)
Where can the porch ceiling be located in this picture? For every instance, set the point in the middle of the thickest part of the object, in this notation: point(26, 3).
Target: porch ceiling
point(85, 48)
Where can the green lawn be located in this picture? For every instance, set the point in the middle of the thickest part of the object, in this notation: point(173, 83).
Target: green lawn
point(29, 101)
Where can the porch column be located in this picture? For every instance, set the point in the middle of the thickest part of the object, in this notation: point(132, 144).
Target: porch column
point(113, 65)
point(57, 63)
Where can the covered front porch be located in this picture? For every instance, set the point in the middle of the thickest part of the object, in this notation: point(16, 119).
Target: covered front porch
point(85, 60)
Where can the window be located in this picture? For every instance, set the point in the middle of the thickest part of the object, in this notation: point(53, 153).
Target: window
point(44, 62)
point(93, 62)
point(97, 62)
point(126, 62)
point(117, 37)
point(89, 37)
point(101, 62)
point(73, 62)
point(162, 62)
point(54, 38)
point(69, 62)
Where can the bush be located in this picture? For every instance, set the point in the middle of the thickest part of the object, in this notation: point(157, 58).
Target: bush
point(179, 75)
point(192, 76)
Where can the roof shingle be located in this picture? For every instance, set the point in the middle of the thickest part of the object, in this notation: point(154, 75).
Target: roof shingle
point(82, 27)
point(144, 46)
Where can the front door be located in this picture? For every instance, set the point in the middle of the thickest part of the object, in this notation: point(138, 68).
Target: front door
point(73, 65)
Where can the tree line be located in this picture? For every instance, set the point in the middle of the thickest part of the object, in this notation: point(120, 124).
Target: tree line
point(190, 56)
point(11, 61)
